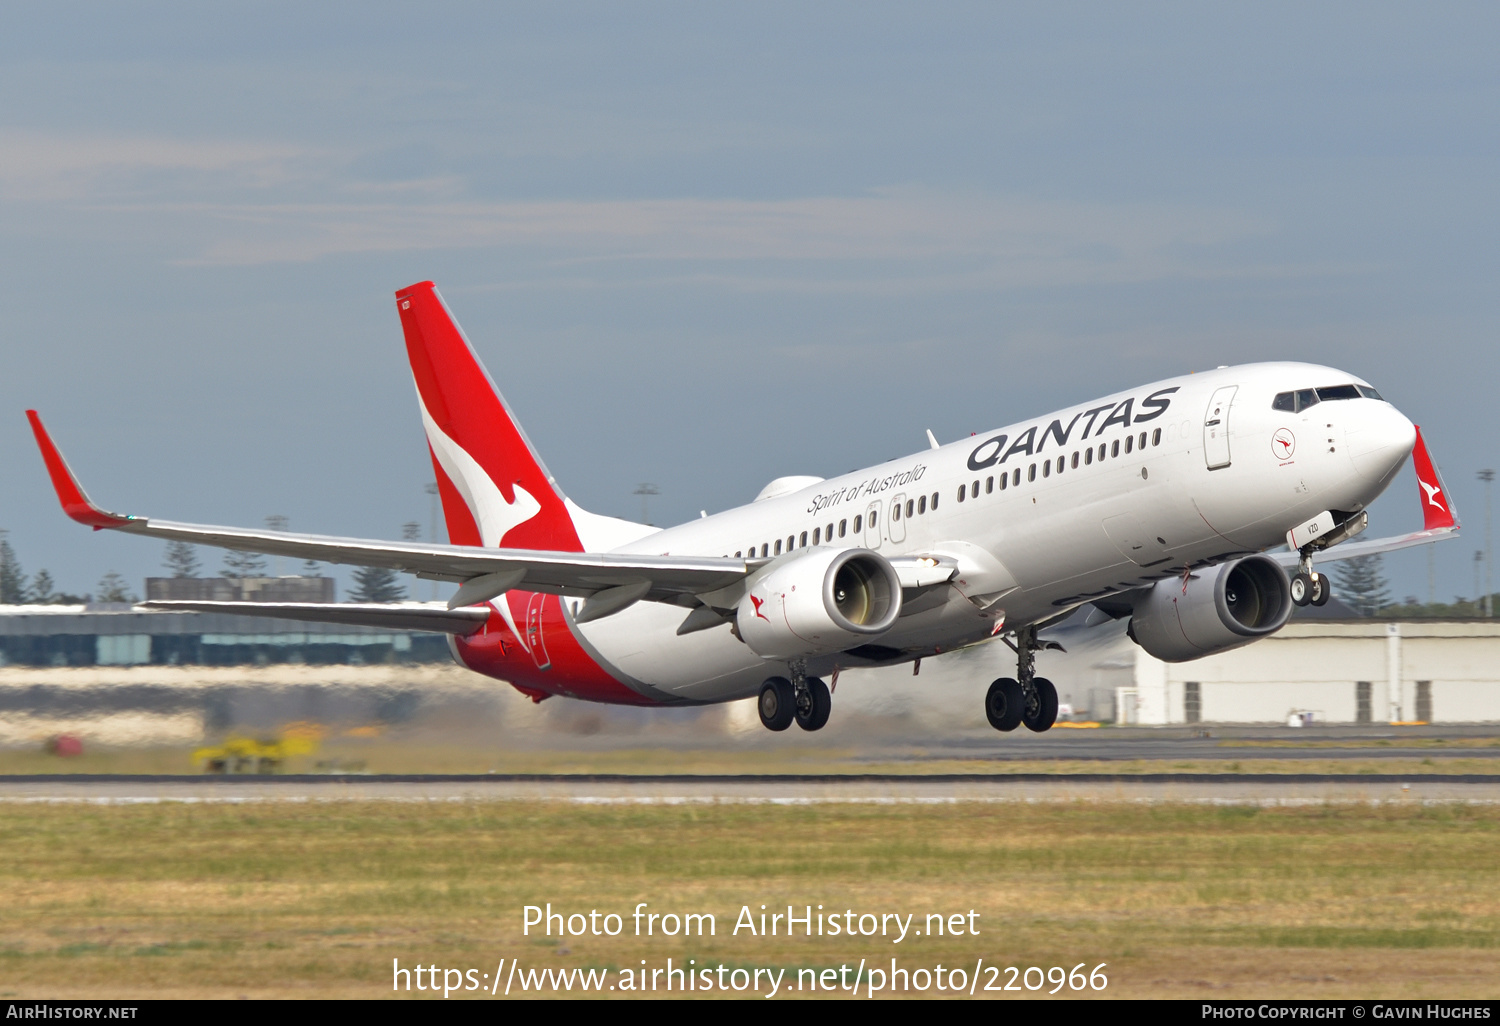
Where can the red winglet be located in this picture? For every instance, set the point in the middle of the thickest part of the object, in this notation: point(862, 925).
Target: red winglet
point(74, 502)
point(1437, 510)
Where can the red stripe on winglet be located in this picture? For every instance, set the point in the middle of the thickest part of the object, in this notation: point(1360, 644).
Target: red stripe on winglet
point(74, 502)
point(1437, 511)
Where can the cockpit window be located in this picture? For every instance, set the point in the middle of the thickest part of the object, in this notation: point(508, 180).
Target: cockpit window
point(1296, 402)
point(1338, 392)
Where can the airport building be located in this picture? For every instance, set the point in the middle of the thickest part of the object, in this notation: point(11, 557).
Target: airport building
point(119, 634)
point(1365, 670)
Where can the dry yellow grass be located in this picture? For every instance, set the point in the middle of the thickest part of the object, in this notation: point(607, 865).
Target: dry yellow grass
point(317, 899)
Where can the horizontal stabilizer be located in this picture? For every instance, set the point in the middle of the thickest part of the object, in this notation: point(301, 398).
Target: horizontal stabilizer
point(394, 616)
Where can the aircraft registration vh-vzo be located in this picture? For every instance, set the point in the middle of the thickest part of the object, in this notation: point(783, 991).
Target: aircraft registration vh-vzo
point(1181, 505)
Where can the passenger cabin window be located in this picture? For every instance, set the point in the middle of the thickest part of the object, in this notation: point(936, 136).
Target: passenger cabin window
point(873, 514)
point(974, 492)
point(1030, 472)
point(1075, 461)
point(896, 511)
point(910, 505)
point(857, 528)
point(922, 504)
point(934, 501)
point(1088, 455)
point(1141, 442)
point(1102, 447)
point(1114, 449)
point(737, 553)
point(1129, 443)
point(791, 543)
point(963, 492)
point(989, 484)
point(841, 526)
point(1004, 479)
point(828, 532)
point(1016, 477)
point(778, 546)
point(1156, 437)
point(1062, 462)
point(1047, 468)
point(804, 539)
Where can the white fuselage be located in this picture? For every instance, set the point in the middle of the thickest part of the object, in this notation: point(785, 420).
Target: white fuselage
point(1103, 497)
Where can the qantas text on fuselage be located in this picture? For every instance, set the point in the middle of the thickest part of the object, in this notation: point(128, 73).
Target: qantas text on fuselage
point(1181, 506)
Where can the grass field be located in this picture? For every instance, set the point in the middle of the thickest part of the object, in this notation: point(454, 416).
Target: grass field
point(297, 900)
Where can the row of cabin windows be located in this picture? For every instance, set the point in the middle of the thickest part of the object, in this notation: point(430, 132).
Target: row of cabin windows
point(914, 507)
point(819, 535)
point(1105, 450)
point(922, 503)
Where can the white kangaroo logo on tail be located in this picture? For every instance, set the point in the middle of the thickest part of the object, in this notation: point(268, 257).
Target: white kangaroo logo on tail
point(1433, 491)
point(495, 517)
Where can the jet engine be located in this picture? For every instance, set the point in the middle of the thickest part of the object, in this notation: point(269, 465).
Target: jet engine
point(822, 601)
point(1220, 608)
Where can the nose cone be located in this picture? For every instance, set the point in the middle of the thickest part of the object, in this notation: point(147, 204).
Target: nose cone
point(1379, 438)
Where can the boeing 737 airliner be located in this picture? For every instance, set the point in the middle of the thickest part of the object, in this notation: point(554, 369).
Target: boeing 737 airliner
point(1159, 504)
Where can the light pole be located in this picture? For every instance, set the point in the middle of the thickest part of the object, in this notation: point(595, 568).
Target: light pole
point(432, 490)
point(646, 489)
point(1478, 564)
point(1488, 476)
point(276, 522)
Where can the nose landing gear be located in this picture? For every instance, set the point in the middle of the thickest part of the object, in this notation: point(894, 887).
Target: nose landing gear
point(1309, 587)
point(1031, 700)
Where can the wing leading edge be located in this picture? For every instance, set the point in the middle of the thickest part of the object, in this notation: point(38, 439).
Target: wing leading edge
point(673, 579)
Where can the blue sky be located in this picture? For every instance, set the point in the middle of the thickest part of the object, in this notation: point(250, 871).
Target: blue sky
point(706, 245)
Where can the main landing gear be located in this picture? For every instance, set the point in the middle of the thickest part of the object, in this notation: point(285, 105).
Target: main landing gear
point(803, 699)
point(1032, 700)
point(1309, 587)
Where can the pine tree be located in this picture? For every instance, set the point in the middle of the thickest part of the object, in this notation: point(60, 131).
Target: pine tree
point(182, 559)
point(243, 564)
point(12, 580)
point(1361, 586)
point(42, 591)
point(112, 588)
point(377, 584)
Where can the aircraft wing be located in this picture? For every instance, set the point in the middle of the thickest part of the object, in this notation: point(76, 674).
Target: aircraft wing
point(1370, 547)
point(1439, 518)
point(484, 573)
point(395, 616)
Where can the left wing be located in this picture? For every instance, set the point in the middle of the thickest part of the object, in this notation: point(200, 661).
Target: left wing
point(609, 581)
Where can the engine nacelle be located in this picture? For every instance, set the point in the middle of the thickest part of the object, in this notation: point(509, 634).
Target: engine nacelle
point(1223, 607)
point(823, 601)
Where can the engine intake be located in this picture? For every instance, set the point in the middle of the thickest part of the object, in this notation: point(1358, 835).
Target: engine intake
point(818, 602)
point(1221, 608)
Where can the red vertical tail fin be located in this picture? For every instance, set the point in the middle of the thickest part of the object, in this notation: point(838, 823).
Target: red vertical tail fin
point(1437, 509)
point(495, 490)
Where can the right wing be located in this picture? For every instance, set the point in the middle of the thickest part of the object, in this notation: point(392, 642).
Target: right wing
point(609, 581)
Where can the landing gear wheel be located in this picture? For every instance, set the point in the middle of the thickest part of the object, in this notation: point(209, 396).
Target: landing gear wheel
point(1004, 704)
point(1041, 705)
point(1321, 590)
point(777, 704)
point(818, 705)
point(1301, 588)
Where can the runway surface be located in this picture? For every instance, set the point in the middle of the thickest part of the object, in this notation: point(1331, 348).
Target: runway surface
point(1258, 789)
